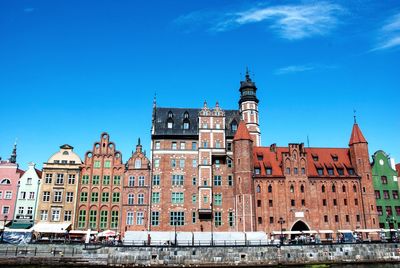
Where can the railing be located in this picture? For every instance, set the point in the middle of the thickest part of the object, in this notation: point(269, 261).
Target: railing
point(30, 251)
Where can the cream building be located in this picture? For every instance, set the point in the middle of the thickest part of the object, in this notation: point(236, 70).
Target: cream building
point(58, 188)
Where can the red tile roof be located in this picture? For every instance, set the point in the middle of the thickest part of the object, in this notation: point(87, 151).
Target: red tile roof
point(356, 135)
point(273, 158)
point(242, 132)
point(39, 173)
point(398, 168)
point(20, 171)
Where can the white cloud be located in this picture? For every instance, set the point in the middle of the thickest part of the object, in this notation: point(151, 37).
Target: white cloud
point(301, 68)
point(288, 21)
point(389, 34)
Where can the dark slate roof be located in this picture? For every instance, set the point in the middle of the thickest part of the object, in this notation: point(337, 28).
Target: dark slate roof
point(161, 118)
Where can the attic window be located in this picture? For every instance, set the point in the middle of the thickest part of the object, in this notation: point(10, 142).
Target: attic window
point(315, 157)
point(330, 171)
point(320, 171)
point(234, 126)
point(186, 115)
point(186, 125)
point(170, 114)
point(65, 153)
point(259, 157)
point(340, 171)
point(170, 123)
point(350, 171)
point(257, 171)
point(335, 158)
point(269, 171)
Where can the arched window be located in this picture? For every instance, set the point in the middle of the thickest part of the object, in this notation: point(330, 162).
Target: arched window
point(333, 188)
point(291, 188)
point(65, 153)
point(343, 189)
point(270, 188)
point(186, 115)
point(131, 199)
point(258, 189)
point(5, 181)
point(354, 188)
point(138, 163)
point(302, 188)
point(170, 114)
point(234, 126)
point(323, 188)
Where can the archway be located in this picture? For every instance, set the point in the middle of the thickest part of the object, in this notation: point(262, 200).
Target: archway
point(299, 226)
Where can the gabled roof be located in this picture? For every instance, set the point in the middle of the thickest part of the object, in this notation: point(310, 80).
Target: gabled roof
point(356, 135)
point(39, 173)
point(242, 132)
point(398, 169)
point(21, 172)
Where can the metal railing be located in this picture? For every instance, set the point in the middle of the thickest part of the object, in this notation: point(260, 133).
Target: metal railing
point(31, 251)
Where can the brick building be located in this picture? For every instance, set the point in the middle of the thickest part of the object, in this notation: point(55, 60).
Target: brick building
point(136, 192)
point(210, 173)
point(99, 204)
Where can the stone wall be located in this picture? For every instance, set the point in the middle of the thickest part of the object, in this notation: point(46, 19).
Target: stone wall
point(76, 255)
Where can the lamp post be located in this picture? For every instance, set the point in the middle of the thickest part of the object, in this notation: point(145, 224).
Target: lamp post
point(176, 237)
point(281, 221)
point(212, 225)
point(4, 227)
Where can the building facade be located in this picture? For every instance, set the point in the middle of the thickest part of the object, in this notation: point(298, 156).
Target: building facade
point(27, 198)
point(212, 174)
point(136, 193)
point(58, 191)
point(9, 177)
point(386, 186)
point(99, 204)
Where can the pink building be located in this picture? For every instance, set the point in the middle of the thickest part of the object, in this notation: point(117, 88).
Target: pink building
point(9, 177)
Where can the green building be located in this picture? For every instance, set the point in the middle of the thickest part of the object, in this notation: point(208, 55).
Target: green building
point(386, 188)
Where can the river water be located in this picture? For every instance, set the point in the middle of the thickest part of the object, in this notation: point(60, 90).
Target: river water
point(374, 265)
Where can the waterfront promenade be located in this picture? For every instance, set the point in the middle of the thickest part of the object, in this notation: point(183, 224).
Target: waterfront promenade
point(199, 256)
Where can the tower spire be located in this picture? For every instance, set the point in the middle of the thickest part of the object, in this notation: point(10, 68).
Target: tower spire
point(13, 157)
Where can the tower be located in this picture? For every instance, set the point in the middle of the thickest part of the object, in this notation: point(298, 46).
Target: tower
point(360, 159)
point(13, 157)
point(248, 106)
point(243, 170)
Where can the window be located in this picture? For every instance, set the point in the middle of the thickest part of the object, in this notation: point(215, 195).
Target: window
point(303, 171)
point(320, 171)
point(6, 209)
point(229, 163)
point(230, 180)
point(8, 195)
point(397, 210)
point(333, 188)
point(60, 179)
point(22, 195)
point(140, 199)
point(105, 197)
point(138, 163)
point(183, 145)
point(156, 179)
point(68, 215)
point(386, 194)
point(115, 197)
point(354, 188)
point(303, 202)
point(141, 181)
point(270, 203)
point(231, 219)
point(46, 196)
point(114, 219)
point(93, 219)
point(330, 171)
point(194, 181)
point(173, 146)
point(70, 197)
point(156, 163)
point(340, 171)
point(296, 171)
point(106, 179)
point(218, 199)
point(269, 171)
point(324, 202)
point(302, 188)
point(48, 178)
point(117, 180)
point(84, 197)
point(334, 202)
point(205, 199)
point(155, 218)
point(85, 179)
point(292, 202)
point(170, 124)
point(107, 164)
point(139, 218)
point(94, 197)
point(315, 157)
point(57, 197)
point(356, 202)
point(71, 178)
point(177, 218)
point(229, 146)
point(343, 189)
point(194, 163)
point(181, 163)
point(103, 219)
point(379, 209)
point(287, 170)
point(129, 218)
point(97, 164)
point(194, 198)
point(29, 181)
point(258, 189)
point(269, 188)
point(194, 145)
point(384, 180)
point(345, 202)
point(173, 163)
point(1, 194)
point(177, 180)
point(177, 198)
point(291, 188)
point(218, 218)
point(350, 171)
point(20, 210)
point(217, 181)
point(55, 215)
point(259, 203)
point(157, 145)
point(155, 197)
point(257, 171)
point(95, 179)
point(234, 126)
point(389, 211)
point(336, 218)
point(31, 195)
point(44, 215)
point(82, 219)
point(271, 220)
point(395, 194)
point(323, 188)
point(217, 144)
point(347, 218)
point(186, 125)
point(131, 181)
point(131, 199)
point(326, 218)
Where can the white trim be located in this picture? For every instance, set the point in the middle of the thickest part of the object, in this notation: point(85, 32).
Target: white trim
point(156, 152)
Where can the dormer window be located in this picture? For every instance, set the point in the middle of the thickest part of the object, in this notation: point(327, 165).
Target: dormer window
point(186, 115)
point(350, 171)
point(335, 158)
point(259, 157)
point(170, 123)
point(170, 114)
point(330, 171)
point(269, 171)
point(315, 157)
point(65, 153)
point(340, 171)
point(138, 163)
point(257, 171)
point(234, 126)
point(320, 171)
point(186, 125)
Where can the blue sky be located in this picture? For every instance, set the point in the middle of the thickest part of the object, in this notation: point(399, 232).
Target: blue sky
point(72, 69)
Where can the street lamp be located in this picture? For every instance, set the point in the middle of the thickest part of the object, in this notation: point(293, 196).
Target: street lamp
point(281, 221)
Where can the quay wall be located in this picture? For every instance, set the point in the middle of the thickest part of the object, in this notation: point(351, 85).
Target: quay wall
point(77, 255)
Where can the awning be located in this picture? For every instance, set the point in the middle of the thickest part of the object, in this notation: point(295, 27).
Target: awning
point(345, 231)
point(82, 232)
point(21, 225)
point(325, 231)
point(310, 232)
point(367, 230)
point(286, 232)
point(107, 233)
point(54, 228)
